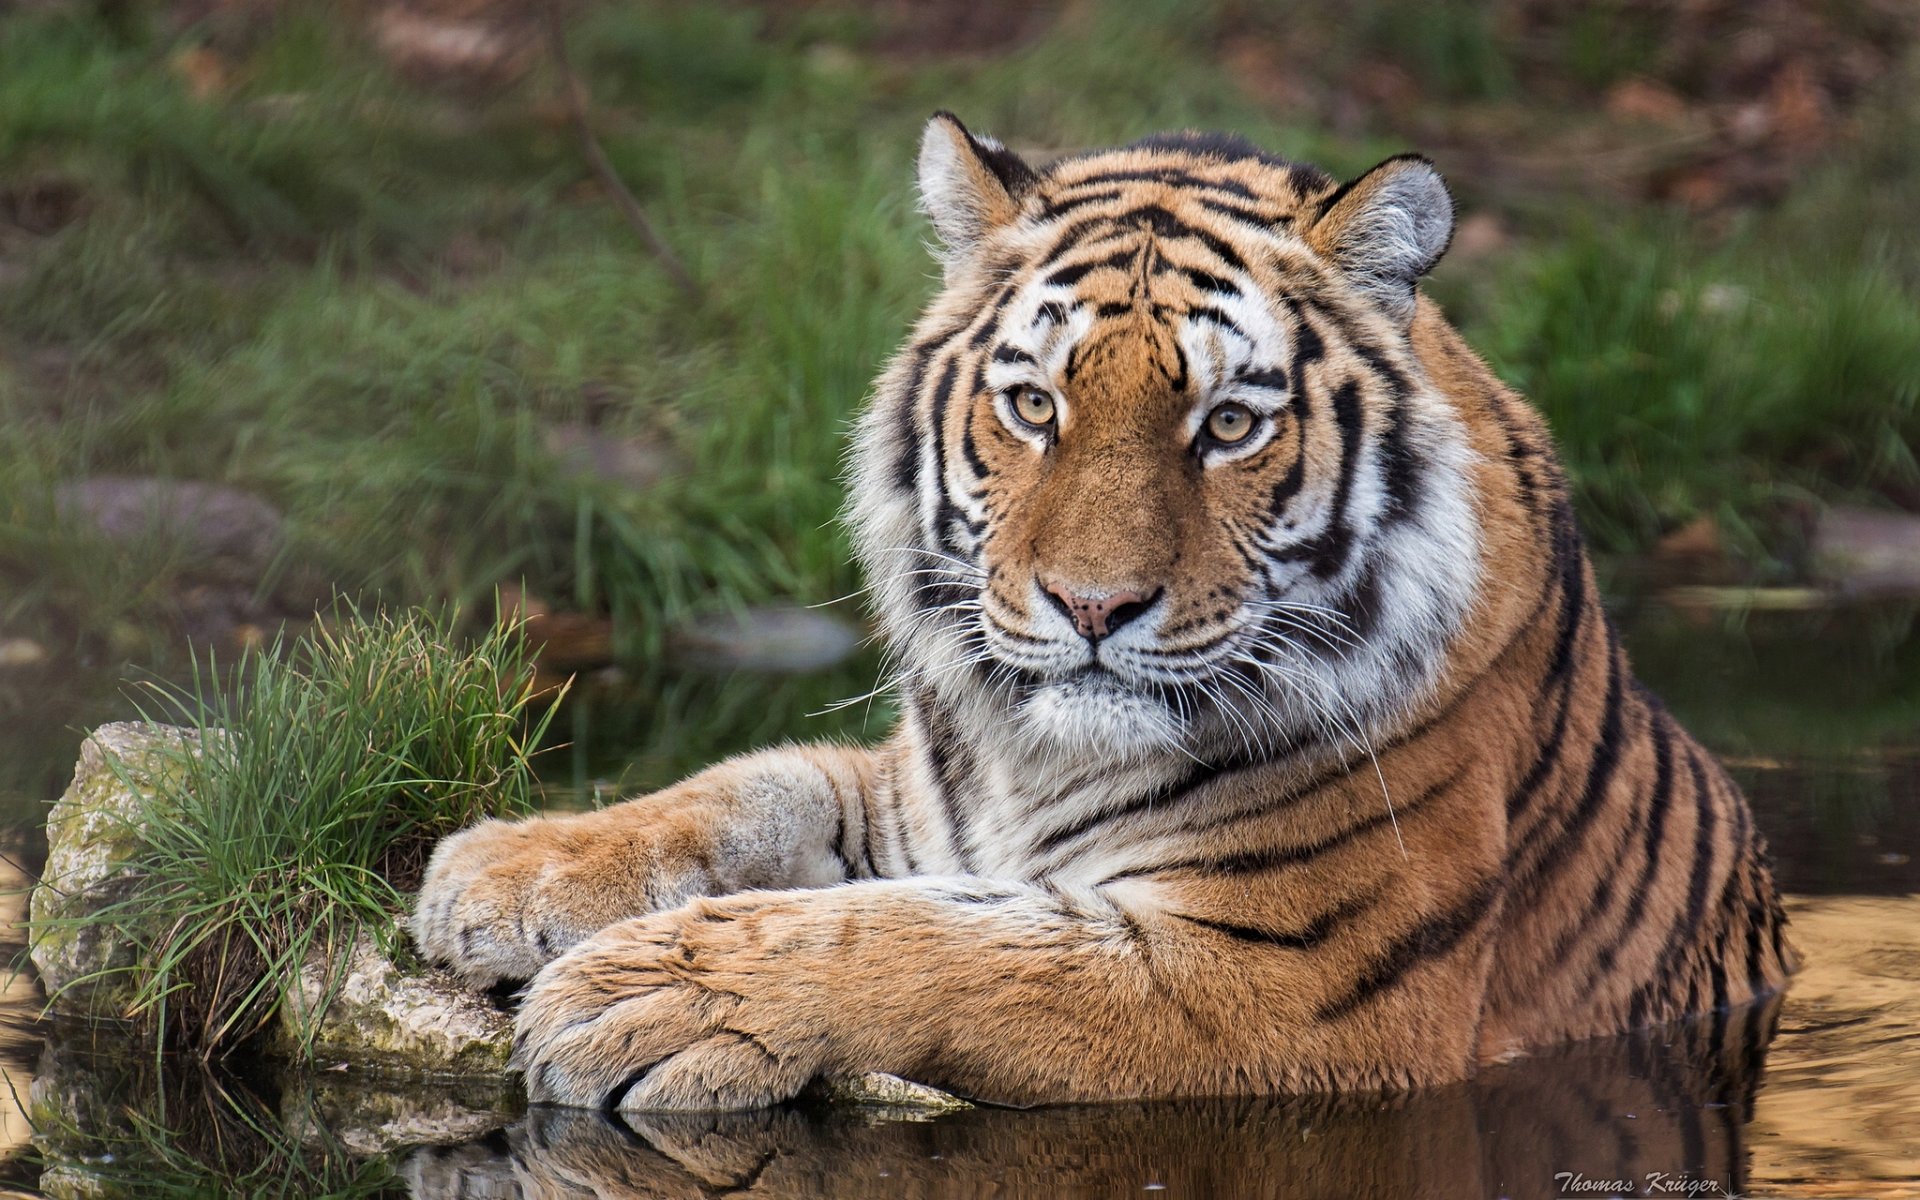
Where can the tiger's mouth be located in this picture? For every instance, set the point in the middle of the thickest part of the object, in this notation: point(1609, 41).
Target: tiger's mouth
point(1096, 709)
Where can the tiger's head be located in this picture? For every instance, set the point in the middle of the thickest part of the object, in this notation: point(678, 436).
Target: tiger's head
point(1160, 470)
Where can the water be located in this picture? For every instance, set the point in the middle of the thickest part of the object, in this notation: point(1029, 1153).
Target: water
point(1814, 1094)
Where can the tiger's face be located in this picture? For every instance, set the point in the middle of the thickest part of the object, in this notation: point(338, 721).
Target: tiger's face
point(1160, 470)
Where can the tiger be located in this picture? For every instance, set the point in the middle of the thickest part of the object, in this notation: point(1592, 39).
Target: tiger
point(1261, 729)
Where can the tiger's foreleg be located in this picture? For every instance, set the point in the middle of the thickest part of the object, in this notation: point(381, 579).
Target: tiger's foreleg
point(502, 899)
point(1011, 993)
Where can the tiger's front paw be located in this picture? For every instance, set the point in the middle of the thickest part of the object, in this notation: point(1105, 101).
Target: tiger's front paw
point(681, 1010)
point(478, 910)
point(504, 898)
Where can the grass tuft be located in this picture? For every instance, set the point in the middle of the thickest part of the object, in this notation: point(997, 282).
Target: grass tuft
point(324, 780)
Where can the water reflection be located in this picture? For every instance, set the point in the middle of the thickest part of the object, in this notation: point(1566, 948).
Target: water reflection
point(1674, 1104)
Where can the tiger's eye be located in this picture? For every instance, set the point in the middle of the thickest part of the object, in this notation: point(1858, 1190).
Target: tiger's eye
point(1230, 423)
point(1033, 406)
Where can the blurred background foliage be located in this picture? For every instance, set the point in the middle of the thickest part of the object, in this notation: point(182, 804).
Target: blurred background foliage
point(346, 264)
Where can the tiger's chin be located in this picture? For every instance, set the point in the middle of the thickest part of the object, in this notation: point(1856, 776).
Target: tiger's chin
point(1098, 714)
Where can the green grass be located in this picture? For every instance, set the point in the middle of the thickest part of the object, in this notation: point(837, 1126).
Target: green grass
point(1683, 380)
point(325, 777)
point(372, 302)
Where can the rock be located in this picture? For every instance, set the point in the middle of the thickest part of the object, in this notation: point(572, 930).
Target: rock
point(19, 654)
point(379, 1017)
point(1863, 552)
point(92, 834)
point(211, 524)
point(775, 638)
point(890, 1091)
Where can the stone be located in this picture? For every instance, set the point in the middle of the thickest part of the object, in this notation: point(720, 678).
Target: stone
point(21, 654)
point(775, 638)
point(375, 1016)
point(213, 526)
point(878, 1089)
point(93, 833)
point(1865, 552)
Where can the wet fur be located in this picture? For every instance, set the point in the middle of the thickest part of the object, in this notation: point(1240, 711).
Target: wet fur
point(1366, 796)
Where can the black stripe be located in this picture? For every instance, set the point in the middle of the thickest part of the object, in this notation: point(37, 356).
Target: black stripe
point(1519, 450)
point(617, 1095)
point(1651, 999)
point(1270, 858)
point(1541, 859)
point(1072, 273)
point(1165, 224)
point(1012, 354)
point(1756, 942)
point(1308, 936)
point(1202, 280)
point(1269, 377)
point(947, 755)
point(1308, 345)
point(1571, 559)
point(906, 469)
point(1172, 175)
point(1207, 312)
point(1702, 843)
point(1172, 792)
point(1249, 216)
point(1400, 467)
point(969, 449)
point(1074, 238)
point(989, 321)
point(866, 826)
point(1060, 207)
point(1432, 938)
point(1572, 578)
point(1328, 551)
point(1659, 803)
point(946, 511)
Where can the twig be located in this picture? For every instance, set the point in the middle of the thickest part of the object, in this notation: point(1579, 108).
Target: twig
point(623, 199)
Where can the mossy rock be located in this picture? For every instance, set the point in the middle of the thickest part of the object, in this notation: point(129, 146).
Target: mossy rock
point(374, 1016)
point(93, 835)
point(378, 1017)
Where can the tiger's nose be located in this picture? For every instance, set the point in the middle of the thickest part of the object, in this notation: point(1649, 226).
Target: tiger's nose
point(1098, 616)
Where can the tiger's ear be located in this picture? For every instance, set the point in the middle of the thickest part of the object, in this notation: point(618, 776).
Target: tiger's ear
point(969, 185)
point(1386, 229)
